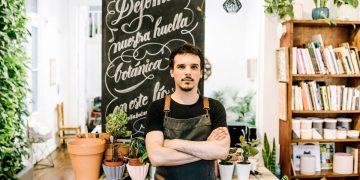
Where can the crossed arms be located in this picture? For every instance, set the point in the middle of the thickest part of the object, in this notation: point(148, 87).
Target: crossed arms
point(177, 151)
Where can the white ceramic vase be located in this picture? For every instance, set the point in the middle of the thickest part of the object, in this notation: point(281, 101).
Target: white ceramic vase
point(243, 171)
point(226, 171)
point(138, 172)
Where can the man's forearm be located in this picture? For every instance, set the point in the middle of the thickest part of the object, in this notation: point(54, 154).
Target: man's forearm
point(208, 150)
point(170, 157)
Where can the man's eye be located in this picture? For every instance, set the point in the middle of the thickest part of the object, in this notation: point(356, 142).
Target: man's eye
point(194, 67)
point(181, 67)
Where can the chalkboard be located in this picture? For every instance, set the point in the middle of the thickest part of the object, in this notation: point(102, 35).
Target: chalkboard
point(137, 39)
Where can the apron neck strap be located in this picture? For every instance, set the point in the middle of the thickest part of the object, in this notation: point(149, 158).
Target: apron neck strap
point(168, 100)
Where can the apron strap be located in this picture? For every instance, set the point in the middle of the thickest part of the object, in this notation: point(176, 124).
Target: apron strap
point(206, 105)
point(168, 100)
point(167, 106)
point(167, 103)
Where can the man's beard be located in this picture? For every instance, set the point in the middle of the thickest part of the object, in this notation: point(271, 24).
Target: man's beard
point(186, 89)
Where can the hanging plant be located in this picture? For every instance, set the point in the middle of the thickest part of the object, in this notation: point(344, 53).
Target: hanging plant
point(282, 8)
point(13, 87)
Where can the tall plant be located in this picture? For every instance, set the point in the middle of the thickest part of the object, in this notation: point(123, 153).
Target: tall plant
point(13, 87)
point(269, 155)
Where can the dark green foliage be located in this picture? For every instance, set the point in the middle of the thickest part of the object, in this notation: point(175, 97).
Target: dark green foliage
point(13, 87)
point(269, 155)
point(138, 149)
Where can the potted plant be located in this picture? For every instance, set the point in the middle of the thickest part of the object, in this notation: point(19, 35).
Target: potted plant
point(269, 154)
point(116, 126)
point(346, 9)
point(226, 166)
point(138, 159)
point(320, 11)
point(247, 149)
point(282, 8)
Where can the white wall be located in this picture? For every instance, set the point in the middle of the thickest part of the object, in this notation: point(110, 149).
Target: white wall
point(53, 40)
point(230, 39)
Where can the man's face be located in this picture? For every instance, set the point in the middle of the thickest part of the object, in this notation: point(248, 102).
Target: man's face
point(187, 71)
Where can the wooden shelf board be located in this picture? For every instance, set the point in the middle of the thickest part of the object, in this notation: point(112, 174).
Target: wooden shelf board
point(322, 22)
point(324, 140)
point(323, 173)
point(295, 76)
point(325, 112)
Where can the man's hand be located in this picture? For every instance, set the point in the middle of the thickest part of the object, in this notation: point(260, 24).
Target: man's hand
point(218, 134)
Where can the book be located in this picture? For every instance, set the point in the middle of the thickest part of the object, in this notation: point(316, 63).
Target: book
point(326, 155)
point(355, 153)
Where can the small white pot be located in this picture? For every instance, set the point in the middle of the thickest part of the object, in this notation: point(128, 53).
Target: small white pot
point(138, 172)
point(226, 171)
point(243, 171)
point(347, 12)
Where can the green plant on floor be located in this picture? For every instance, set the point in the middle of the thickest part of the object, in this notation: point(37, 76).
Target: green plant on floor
point(282, 8)
point(13, 87)
point(116, 123)
point(248, 149)
point(269, 154)
point(353, 3)
point(138, 149)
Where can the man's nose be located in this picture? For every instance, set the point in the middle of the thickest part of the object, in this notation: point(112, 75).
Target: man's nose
point(188, 70)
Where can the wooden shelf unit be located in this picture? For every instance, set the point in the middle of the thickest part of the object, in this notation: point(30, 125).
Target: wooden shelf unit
point(299, 32)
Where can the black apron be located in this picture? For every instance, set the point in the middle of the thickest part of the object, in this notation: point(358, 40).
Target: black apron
point(194, 129)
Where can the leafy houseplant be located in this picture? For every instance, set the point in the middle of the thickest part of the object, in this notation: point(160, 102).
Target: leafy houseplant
point(116, 126)
point(13, 87)
point(248, 149)
point(282, 8)
point(138, 150)
point(269, 155)
point(116, 123)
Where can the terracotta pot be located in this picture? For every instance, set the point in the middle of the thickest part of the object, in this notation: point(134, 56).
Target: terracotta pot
point(86, 156)
point(104, 136)
point(134, 162)
point(123, 150)
point(115, 163)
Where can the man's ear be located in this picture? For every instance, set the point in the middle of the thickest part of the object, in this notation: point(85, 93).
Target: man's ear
point(171, 73)
point(201, 74)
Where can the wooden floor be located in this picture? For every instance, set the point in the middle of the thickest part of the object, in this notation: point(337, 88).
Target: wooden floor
point(61, 171)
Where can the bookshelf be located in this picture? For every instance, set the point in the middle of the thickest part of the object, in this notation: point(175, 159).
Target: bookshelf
point(300, 32)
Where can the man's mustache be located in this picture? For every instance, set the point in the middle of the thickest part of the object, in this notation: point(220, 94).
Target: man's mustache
point(187, 79)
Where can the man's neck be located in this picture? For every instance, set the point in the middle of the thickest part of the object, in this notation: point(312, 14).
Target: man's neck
point(185, 97)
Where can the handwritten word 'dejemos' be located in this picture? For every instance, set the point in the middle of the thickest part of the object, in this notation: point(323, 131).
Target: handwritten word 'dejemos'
point(128, 7)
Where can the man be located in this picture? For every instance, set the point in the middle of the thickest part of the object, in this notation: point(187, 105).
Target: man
point(186, 132)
